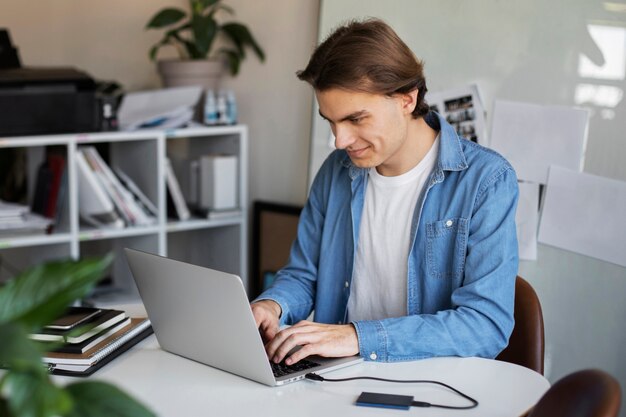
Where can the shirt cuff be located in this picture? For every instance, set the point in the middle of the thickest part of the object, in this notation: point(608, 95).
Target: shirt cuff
point(282, 305)
point(372, 340)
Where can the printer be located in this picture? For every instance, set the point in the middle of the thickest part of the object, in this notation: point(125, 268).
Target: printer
point(36, 100)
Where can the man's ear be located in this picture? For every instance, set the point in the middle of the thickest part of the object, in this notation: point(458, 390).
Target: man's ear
point(409, 101)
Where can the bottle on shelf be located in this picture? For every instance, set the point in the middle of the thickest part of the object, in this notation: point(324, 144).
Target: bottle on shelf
point(210, 109)
point(222, 109)
point(231, 107)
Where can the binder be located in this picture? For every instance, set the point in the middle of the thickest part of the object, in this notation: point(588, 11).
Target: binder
point(89, 362)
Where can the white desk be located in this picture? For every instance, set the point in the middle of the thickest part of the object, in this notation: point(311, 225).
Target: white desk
point(174, 386)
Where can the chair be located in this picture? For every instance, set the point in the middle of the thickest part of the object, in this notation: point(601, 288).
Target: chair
point(526, 344)
point(274, 230)
point(587, 393)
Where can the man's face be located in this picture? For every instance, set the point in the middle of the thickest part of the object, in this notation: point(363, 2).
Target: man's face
point(372, 128)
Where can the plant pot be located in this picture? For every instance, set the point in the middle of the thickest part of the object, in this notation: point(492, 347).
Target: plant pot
point(178, 73)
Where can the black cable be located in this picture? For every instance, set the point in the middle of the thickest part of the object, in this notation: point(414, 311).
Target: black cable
point(316, 377)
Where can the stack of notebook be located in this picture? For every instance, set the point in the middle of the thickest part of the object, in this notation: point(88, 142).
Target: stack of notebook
point(84, 339)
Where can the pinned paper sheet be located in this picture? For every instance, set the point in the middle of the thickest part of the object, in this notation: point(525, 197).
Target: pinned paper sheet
point(584, 213)
point(526, 220)
point(463, 109)
point(533, 137)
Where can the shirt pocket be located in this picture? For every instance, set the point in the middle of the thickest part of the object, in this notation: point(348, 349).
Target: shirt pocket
point(446, 244)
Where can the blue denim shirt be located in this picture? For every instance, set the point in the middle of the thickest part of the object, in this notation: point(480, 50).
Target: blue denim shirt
point(461, 267)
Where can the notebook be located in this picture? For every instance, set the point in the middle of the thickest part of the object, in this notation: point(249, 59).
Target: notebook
point(204, 315)
point(84, 364)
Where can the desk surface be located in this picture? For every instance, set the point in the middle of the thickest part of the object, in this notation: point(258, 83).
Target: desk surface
point(174, 386)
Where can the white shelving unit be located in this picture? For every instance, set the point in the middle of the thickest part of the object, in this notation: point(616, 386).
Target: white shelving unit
point(220, 244)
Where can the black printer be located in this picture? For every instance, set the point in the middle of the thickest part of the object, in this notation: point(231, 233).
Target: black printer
point(37, 100)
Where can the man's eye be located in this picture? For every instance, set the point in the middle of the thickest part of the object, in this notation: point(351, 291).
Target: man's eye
point(356, 120)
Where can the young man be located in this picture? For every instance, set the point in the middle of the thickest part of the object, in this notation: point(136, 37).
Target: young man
point(406, 247)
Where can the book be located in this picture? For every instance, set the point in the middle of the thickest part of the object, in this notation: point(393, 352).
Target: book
point(145, 202)
point(91, 327)
point(83, 364)
point(95, 206)
point(56, 165)
point(181, 211)
point(87, 344)
point(221, 214)
point(72, 317)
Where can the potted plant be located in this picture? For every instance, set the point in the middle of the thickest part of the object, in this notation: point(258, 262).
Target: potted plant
point(27, 303)
point(195, 34)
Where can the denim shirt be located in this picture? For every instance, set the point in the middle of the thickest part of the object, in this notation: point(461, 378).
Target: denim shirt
point(461, 266)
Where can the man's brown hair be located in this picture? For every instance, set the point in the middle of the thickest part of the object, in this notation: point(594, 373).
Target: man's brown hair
point(367, 56)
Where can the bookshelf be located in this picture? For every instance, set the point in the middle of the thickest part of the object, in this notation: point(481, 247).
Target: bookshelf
point(216, 243)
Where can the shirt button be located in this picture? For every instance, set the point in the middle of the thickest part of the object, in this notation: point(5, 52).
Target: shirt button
point(347, 284)
point(449, 223)
point(373, 356)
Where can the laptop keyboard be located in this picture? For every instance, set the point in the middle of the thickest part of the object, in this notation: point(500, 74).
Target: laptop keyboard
point(282, 369)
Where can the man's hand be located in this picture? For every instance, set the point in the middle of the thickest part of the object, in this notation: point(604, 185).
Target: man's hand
point(266, 314)
point(330, 340)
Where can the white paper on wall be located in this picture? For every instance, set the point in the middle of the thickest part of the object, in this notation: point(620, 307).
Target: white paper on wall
point(526, 220)
point(463, 109)
point(584, 213)
point(533, 137)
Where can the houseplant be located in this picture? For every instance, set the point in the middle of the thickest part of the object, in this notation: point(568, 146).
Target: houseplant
point(195, 34)
point(27, 303)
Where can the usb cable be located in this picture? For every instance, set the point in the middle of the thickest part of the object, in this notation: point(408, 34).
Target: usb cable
point(315, 377)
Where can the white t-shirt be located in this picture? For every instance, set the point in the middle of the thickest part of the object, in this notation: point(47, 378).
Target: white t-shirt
point(379, 286)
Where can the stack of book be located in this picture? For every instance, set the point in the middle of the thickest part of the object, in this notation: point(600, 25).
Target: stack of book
point(108, 199)
point(84, 339)
point(17, 219)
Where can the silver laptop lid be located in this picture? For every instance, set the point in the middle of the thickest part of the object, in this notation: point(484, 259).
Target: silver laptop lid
point(201, 314)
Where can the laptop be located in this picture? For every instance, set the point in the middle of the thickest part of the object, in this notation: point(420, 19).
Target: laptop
point(204, 315)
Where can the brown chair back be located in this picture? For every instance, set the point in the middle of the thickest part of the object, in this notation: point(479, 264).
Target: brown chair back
point(526, 344)
point(587, 393)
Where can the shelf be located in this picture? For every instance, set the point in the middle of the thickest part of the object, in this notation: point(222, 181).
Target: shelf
point(199, 223)
point(34, 240)
point(100, 234)
point(217, 243)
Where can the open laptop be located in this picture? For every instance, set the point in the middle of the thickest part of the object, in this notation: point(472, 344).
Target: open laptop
point(204, 315)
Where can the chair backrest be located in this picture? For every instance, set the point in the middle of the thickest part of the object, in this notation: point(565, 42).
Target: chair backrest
point(526, 344)
point(587, 393)
point(275, 226)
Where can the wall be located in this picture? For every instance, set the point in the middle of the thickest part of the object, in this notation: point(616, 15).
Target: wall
point(107, 39)
point(532, 51)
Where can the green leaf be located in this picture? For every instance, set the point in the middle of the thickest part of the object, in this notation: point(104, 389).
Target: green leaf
point(33, 395)
point(4, 408)
point(241, 37)
point(154, 50)
point(166, 17)
point(17, 352)
point(227, 9)
point(40, 294)
point(204, 29)
point(234, 60)
point(99, 399)
point(207, 3)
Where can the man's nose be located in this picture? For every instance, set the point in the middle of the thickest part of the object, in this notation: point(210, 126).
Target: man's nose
point(344, 137)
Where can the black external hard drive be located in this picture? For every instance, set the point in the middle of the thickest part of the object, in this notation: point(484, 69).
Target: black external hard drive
point(375, 399)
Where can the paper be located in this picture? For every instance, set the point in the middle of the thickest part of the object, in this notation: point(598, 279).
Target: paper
point(526, 220)
point(163, 109)
point(533, 137)
point(463, 109)
point(585, 214)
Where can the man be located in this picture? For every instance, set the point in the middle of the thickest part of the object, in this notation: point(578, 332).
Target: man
point(406, 247)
